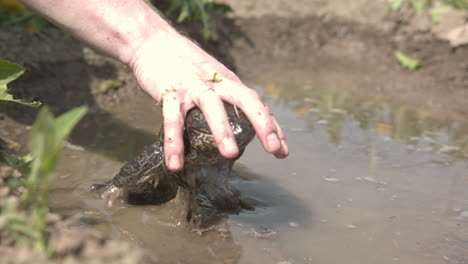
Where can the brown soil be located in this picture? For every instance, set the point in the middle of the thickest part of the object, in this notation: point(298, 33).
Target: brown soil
point(63, 74)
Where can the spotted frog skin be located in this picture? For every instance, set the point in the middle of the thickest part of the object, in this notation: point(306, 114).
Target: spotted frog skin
point(202, 188)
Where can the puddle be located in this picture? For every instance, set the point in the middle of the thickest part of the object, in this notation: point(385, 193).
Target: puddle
point(366, 182)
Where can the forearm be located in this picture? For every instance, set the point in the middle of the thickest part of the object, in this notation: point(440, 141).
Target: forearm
point(115, 27)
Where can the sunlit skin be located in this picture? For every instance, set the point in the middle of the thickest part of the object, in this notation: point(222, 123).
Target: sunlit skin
point(170, 68)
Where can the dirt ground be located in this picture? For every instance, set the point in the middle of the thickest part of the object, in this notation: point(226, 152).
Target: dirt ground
point(63, 74)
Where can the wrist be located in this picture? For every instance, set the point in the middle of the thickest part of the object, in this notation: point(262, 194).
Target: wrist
point(149, 29)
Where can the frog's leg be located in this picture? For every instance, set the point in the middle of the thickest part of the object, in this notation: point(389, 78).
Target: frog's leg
point(147, 166)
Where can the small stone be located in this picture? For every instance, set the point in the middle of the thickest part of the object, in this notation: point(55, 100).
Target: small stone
point(53, 218)
point(322, 122)
point(338, 111)
point(293, 224)
point(449, 149)
point(71, 146)
point(464, 214)
point(2, 223)
point(370, 179)
point(4, 191)
point(331, 179)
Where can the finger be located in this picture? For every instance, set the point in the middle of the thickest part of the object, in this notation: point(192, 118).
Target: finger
point(284, 151)
point(213, 109)
point(173, 132)
point(259, 115)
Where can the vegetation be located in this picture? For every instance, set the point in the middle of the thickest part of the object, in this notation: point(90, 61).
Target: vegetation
point(407, 62)
point(435, 11)
point(13, 12)
point(197, 11)
point(10, 72)
point(420, 5)
point(27, 220)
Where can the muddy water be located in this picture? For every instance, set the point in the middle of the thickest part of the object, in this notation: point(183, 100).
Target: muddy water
point(366, 182)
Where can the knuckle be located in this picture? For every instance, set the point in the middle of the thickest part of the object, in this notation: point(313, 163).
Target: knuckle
point(173, 120)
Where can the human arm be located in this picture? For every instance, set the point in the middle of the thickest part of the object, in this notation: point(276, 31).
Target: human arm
point(169, 67)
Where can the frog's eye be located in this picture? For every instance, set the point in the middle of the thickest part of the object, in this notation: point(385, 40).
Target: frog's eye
point(199, 116)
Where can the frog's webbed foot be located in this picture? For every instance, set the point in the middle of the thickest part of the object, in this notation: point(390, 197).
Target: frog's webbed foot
point(108, 192)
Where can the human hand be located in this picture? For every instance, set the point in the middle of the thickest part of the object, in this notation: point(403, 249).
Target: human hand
point(180, 75)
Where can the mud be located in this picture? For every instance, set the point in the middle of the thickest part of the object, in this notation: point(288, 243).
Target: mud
point(374, 191)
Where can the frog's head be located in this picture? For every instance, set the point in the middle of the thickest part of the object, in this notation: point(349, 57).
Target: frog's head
point(198, 133)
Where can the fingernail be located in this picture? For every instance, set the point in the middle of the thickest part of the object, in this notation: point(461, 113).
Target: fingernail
point(174, 162)
point(230, 146)
point(285, 147)
point(273, 142)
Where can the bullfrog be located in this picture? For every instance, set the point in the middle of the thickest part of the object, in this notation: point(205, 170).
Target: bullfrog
point(201, 188)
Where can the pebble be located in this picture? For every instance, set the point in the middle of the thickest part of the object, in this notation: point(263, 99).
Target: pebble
point(73, 146)
point(53, 218)
point(338, 111)
point(464, 214)
point(449, 149)
point(4, 191)
point(331, 179)
point(293, 224)
point(322, 122)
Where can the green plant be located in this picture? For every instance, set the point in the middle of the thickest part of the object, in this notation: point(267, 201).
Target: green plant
point(28, 220)
point(420, 5)
point(437, 12)
point(407, 62)
point(12, 12)
point(461, 4)
point(197, 10)
point(8, 73)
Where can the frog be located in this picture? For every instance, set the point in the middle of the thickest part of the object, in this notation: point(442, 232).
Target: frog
point(201, 188)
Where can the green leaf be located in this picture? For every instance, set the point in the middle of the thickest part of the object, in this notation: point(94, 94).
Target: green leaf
point(41, 145)
point(65, 123)
point(222, 7)
point(396, 4)
point(438, 12)
point(10, 72)
point(175, 4)
point(47, 136)
point(407, 62)
point(418, 5)
point(184, 13)
point(108, 85)
point(22, 164)
point(5, 96)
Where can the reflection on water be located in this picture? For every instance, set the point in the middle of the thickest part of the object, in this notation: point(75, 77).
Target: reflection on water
point(331, 108)
point(366, 182)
